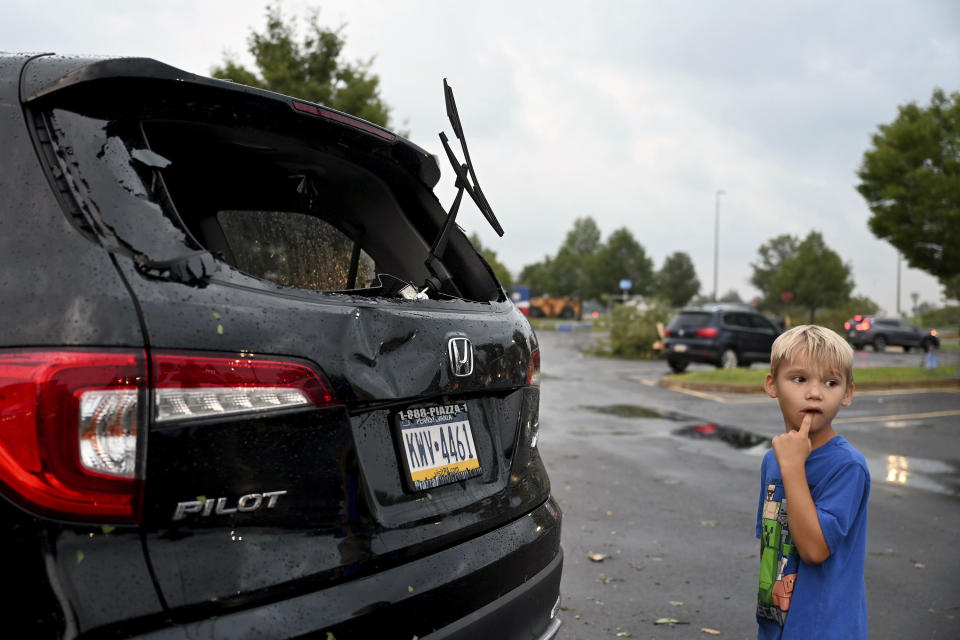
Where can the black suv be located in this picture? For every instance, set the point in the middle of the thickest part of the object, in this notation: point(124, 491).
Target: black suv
point(254, 381)
point(880, 332)
point(724, 335)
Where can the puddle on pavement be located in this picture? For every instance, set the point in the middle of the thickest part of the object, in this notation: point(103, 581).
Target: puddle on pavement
point(920, 473)
point(737, 438)
point(627, 411)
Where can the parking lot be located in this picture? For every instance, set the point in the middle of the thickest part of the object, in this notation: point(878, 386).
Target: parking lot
point(668, 518)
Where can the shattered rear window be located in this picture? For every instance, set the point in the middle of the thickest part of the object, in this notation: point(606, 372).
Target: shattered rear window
point(294, 249)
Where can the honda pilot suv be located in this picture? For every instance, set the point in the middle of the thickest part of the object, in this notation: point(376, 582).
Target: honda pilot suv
point(724, 335)
point(254, 380)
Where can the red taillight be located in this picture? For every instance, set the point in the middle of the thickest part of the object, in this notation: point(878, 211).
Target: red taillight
point(846, 325)
point(863, 326)
point(666, 333)
point(858, 318)
point(707, 332)
point(69, 423)
point(533, 369)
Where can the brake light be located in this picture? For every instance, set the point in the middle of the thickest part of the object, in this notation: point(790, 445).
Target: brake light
point(846, 325)
point(343, 118)
point(71, 422)
point(707, 332)
point(666, 333)
point(858, 318)
point(69, 425)
point(933, 332)
point(533, 369)
point(863, 326)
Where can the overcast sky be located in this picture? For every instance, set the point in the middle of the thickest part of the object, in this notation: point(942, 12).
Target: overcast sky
point(635, 113)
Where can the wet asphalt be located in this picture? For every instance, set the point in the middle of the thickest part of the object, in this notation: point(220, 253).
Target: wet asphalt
point(661, 486)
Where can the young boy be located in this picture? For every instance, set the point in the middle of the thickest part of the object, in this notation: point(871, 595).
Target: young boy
point(812, 553)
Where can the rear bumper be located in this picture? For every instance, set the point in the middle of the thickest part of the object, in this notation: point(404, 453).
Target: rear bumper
point(517, 614)
point(690, 352)
point(503, 584)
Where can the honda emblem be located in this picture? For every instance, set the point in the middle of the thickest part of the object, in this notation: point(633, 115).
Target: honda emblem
point(461, 357)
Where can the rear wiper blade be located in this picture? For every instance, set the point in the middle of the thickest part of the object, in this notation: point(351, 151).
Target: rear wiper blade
point(466, 181)
point(467, 167)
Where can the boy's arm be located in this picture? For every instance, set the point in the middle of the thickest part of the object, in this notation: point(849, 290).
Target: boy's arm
point(792, 449)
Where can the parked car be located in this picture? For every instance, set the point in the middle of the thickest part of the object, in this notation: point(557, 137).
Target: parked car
point(724, 335)
point(882, 332)
point(254, 381)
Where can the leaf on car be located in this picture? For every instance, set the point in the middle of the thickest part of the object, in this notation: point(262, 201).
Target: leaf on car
point(79, 556)
point(597, 557)
point(107, 529)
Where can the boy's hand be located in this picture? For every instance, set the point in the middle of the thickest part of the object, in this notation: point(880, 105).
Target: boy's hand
point(793, 447)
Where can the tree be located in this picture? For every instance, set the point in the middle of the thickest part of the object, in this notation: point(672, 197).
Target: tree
point(910, 179)
point(772, 254)
point(584, 238)
point(731, 296)
point(951, 287)
point(566, 273)
point(311, 69)
point(676, 282)
point(499, 269)
point(815, 275)
point(620, 257)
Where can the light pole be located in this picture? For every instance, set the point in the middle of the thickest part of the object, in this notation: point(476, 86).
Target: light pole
point(716, 241)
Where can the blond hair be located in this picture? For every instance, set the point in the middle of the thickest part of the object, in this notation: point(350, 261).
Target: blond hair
point(819, 344)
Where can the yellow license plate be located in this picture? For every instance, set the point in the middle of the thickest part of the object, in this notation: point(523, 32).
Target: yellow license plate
point(437, 444)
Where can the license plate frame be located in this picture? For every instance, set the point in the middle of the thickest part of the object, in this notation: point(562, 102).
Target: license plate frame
point(436, 445)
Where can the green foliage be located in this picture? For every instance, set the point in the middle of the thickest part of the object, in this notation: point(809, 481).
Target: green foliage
point(583, 239)
point(946, 317)
point(812, 272)
point(676, 282)
point(499, 269)
point(752, 379)
point(633, 331)
point(951, 287)
point(620, 257)
point(910, 178)
point(731, 296)
point(772, 254)
point(310, 69)
point(589, 268)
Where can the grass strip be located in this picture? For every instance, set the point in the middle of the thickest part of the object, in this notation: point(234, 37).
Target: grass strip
point(755, 377)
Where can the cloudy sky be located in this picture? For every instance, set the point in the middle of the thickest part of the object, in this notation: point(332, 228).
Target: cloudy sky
point(635, 113)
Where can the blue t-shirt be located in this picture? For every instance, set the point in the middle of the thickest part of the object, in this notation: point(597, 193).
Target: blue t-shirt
point(799, 600)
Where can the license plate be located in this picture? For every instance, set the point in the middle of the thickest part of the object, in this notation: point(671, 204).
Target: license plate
point(679, 348)
point(437, 444)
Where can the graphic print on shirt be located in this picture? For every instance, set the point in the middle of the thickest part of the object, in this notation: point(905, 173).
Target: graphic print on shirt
point(778, 558)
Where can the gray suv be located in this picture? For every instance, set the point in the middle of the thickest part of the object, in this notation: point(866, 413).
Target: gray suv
point(881, 332)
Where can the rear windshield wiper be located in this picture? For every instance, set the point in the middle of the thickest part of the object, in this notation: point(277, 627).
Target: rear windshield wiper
point(466, 181)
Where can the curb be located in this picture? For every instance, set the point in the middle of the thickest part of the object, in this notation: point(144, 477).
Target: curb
point(950, 383)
